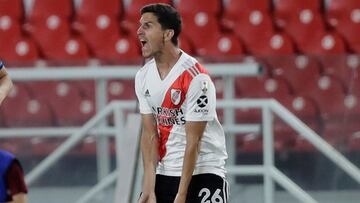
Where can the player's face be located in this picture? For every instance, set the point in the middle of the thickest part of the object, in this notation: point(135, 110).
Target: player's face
point(151, 35)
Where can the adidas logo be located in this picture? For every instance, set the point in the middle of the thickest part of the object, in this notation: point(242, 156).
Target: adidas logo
point(147, 94)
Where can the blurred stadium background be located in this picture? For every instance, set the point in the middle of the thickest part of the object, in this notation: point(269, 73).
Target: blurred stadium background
point(308, 49)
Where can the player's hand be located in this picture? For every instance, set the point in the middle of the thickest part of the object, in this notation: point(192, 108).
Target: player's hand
point(180, 198)
point(147, 198)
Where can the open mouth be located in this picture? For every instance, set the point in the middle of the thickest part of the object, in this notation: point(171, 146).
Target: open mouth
point(143, 42)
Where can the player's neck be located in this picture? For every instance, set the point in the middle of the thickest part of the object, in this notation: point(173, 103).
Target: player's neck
point(166, 60)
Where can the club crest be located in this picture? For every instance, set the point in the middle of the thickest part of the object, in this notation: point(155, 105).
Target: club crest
point(175, 96)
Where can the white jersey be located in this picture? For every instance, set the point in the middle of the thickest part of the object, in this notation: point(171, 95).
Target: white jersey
point(186, 94)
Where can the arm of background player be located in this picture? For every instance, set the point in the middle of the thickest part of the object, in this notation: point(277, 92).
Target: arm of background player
point(149, 149)
point(19, 198)
point(5, 83)
point(194, 131)
point(16, 183)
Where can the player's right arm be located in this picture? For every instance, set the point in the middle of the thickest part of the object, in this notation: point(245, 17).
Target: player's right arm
point(149, 149)
point(5, 82)
point(148, 143)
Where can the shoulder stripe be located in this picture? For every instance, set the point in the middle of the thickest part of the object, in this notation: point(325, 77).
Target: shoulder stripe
point(196, 70)
point(191, 72)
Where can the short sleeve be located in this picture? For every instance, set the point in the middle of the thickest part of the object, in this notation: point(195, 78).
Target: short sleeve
point(140, 94)
point(15, 179)
point(201, 99)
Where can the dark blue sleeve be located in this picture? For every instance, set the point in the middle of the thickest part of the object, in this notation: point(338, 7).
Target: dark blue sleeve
point(1, 65)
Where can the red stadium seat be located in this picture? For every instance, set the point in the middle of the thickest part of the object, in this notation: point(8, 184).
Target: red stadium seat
point(258, 88)
point(69, 107)
point(98, 29)
point(121, 90)
point(324, 43)
point(285, 10)
point(77, 112)
point(9, 28)
point(132, 14)
point(253, 26)
point(27, 112)
point(117, 50)
point(344, 67)
point(233, 10)
point(47, 8)
point(212, 7)
point(298, 70)
point(338, 10)
point(200, 27)
point(19, 51)
point(71, 51)
point(47, 30)
point(329, 94)
point(253, 143)
point(262, 87)
point(221, 46)
point(354, 142)
point(304, 108)
point(301, 27)
point(12, 8)
point(354, 86)
point(93, 8)
point(276, 44)
point(344, 16)
point(234, 7)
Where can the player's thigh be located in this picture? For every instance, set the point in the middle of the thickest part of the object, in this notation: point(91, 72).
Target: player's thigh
point(166, 188)
point(208, 188)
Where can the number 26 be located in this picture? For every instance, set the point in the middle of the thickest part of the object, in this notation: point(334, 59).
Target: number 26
point(215, 198)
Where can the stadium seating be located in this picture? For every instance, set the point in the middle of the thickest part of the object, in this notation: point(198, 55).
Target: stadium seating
point(93, 8)
point(121, 90)
point(9, 28)
point(118, 49)
point(253, 26)
point(212, 7)
point(289, 10)
point(200, 27)
point(12, 8)
point(221, 46)
point(344, 17)
point(274, 44)
point(21, 110)
point(20, 51)
point(233, 10)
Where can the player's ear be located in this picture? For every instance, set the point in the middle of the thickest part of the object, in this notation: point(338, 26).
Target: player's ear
point(169, 33)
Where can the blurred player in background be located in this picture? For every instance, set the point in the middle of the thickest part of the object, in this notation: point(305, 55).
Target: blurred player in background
point(5, 83)
point(12, 185)
point(182, 142)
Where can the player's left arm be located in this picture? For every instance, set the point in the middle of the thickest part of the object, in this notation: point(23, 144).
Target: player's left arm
point(194, 131)
point(200, 102)
point(5, 83)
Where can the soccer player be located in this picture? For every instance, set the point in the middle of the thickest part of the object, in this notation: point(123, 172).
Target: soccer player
point(12, 185)
point(5, 83)
point(182, 141)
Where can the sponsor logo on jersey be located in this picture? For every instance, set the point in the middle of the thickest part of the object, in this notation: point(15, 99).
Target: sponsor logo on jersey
point(175, 96)
point(204, 86)
point(202, 101)
point(169, 117)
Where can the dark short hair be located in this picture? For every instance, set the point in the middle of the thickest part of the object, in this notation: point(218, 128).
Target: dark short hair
point(167, 16)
